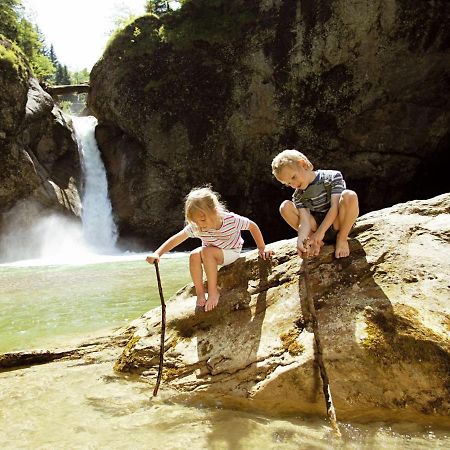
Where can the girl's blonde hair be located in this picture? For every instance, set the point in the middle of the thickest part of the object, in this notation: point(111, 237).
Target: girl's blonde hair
point(202, 200)
point(289, 158)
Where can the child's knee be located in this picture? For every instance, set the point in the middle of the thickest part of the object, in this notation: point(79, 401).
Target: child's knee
point(349, 197)
point(212, 254)
point(287, 207)
point(195, 256)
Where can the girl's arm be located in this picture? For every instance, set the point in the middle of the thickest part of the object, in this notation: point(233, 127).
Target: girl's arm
point(259, 240)
point(170, 244)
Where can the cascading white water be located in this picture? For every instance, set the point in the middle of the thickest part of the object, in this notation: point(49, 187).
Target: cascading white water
point(99, 229)
point(30, 237)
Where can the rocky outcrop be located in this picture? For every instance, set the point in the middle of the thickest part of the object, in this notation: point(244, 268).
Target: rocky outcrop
point(39, 157)
point(211, 92)
point(384, 322)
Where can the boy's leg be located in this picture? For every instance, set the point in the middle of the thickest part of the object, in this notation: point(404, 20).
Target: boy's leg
point(290, 214)
point(211, 257)
point(347, 214)
point(195, 267)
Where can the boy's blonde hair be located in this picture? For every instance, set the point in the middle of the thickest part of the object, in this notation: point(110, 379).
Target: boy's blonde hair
point(202, 200)
point(289, 158)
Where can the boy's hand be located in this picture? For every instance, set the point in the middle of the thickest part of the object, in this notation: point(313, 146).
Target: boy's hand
point(316, 243)
point(154, 257)
point(302, 245)
point(264, 253)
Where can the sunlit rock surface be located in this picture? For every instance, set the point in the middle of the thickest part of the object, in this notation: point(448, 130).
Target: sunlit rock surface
point(384, 320)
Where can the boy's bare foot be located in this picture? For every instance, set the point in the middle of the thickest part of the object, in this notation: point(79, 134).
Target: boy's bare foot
point(201, 300)
point(342, 248)
point(213, 300)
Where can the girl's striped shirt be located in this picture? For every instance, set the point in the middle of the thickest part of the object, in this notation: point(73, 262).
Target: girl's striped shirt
point(227, 236)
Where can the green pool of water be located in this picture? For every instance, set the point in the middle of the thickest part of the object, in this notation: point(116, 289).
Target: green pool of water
point(45, 305)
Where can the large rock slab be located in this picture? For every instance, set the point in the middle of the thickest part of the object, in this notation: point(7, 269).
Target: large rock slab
point(384, 321)
point(211, 92)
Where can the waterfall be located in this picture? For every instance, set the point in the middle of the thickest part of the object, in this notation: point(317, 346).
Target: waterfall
point(29, 237)
point(99, 229)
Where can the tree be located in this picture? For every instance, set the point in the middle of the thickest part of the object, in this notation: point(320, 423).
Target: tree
point(80, 77)
point(9, 18)
point(157, 7)
point(52, 55)
point(66, 76)
point(15, 26)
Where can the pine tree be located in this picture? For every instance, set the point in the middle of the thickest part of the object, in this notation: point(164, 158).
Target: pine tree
point(52, 55)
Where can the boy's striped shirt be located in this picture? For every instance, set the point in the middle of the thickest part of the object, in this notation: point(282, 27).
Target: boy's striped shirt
point(227, 236)
point(315, 195)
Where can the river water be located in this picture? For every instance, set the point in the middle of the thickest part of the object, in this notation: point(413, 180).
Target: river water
point(86, 405)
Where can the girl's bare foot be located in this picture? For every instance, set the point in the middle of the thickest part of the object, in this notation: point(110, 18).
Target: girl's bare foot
point(213, 300)
point(342, 248)
point(201, 300)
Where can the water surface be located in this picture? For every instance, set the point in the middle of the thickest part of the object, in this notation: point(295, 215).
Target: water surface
point(44, 305)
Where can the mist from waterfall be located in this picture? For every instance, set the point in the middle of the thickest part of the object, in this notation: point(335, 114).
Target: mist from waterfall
point(99, 229)
point(30, 235)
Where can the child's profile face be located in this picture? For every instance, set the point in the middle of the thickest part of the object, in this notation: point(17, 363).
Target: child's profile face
point(297, 175)
point(207, 220)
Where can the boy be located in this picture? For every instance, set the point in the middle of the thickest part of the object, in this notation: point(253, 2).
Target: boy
point(321, 207)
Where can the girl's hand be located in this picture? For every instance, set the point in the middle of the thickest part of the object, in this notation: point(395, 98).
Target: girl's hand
point(154, 257)
point(265, 253)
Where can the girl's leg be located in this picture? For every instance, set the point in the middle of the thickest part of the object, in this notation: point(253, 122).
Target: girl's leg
point(347, 214)
point(211, 257)
point(195, 267)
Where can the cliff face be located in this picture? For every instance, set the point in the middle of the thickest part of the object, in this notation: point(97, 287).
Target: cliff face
point(383, 317)
point(213, 91)
point(39, 158)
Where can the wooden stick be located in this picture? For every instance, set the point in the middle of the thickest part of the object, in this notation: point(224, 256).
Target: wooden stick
point(163, 331)
point(331, 412)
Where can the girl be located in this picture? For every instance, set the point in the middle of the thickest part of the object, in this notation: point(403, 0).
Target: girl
point(220, 232)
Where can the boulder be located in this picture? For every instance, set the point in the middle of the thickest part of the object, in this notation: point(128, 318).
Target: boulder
point(39, 157)
point(384, 322)
point(211, 92)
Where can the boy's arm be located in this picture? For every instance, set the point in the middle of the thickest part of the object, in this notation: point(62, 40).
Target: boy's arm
point(304, 229)
point(168, 245)
point(259, 240)
point(329, 218)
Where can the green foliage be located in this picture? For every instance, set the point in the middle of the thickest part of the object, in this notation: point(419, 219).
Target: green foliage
point(9, 18)
point(211, 21)
point(80, 77)
point(15, 27)
point(12, 60)
point(43, 68)
point(62, 75)
point(157, 7)
point(65, 105)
